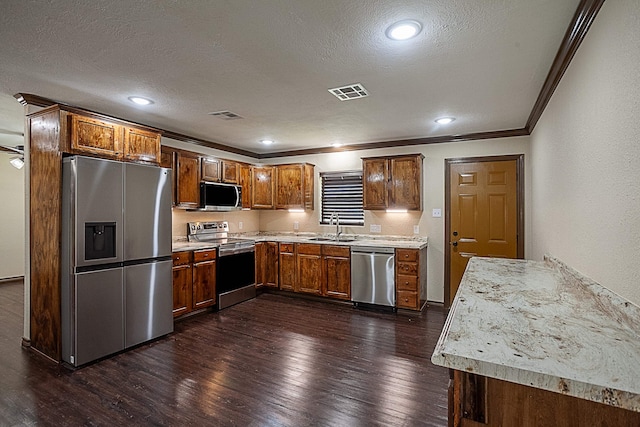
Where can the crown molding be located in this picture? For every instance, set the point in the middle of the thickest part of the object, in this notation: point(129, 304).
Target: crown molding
point(577, 31)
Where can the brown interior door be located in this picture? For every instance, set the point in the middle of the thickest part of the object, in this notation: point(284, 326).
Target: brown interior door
point(483, 213)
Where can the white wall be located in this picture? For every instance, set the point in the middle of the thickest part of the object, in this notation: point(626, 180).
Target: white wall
point(586, 157)
point(12, 237)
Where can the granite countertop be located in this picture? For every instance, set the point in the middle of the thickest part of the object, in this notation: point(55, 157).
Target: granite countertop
point(398, 242)
point(542, 324)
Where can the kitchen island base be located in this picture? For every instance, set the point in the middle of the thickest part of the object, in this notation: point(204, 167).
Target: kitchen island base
point(476, 400)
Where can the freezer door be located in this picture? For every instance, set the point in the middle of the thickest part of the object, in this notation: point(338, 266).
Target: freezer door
point(147, 211)
point(98, 315)
point(148, 301)
point(95, 187)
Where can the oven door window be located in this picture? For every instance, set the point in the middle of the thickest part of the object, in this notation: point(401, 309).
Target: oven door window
point(235, 271)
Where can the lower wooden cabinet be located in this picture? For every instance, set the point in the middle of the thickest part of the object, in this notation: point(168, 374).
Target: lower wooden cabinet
point(323, 270)
point(182, 283)
point(194, 280)
point(287, 267)
point(411, 276)
point(267, 255)
point(337, 266)
point(309, 268)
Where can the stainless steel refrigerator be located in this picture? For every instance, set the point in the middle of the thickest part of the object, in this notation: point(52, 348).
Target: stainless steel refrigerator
point(116, 257)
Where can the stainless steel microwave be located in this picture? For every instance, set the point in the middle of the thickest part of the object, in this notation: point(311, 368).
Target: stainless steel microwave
point(216, 196)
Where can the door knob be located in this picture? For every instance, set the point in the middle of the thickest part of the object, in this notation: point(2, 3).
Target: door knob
point(454, 243)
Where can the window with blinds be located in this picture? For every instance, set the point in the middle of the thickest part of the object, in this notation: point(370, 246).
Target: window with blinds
point(342, 194)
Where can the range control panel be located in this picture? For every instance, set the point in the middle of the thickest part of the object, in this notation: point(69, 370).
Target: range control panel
point(213, 227)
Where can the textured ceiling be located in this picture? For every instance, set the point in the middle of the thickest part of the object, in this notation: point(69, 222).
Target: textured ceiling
point(482, 61)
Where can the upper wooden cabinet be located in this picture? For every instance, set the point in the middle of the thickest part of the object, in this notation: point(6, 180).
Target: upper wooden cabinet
point(392, 182)
point(187, 179)
point(209, 169)
point(246, 183)
point(141, 145)
point(107, 139)
point(262, 185)
point(294, 186)
point(230, 172)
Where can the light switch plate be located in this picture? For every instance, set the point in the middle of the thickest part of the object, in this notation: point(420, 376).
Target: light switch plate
point(375, 228)
point(436, 213)
point(416, 229)
point(296, 225)
point(240, 225)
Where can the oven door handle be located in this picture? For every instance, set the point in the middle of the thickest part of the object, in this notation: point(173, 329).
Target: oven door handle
point(234, 251)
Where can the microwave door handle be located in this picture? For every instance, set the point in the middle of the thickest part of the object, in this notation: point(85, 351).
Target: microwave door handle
point(238, 201)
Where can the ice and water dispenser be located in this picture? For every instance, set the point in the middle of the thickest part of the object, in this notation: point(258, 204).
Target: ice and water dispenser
point(99, 240)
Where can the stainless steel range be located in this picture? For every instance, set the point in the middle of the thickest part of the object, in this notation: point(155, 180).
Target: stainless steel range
point(235, 281)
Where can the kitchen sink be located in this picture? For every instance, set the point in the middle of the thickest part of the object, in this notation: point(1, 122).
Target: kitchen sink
point(331, 239)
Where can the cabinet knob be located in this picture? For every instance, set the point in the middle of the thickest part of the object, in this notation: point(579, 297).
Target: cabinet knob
point(206, 255)
point(406, 283)
point(406, 255)
point(406, 300)
point(177, 258)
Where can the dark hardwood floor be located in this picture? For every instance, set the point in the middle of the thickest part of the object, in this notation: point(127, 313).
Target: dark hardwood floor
point(271, 361)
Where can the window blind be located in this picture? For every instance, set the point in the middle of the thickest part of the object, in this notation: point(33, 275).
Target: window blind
point(342, 194)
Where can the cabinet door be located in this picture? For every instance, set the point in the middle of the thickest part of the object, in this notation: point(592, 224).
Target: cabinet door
point(287, 268)
point(141, 145)
point(166, 157)
point(271, 265)
point(406, 183)
point(261, 263)
point(309, 185)
point(210, 170)
point(93, 136)
point(289, 193)
point(375, 177)
point(338, 274)
point(310, 272)
point(229, 172)
point(204, 284)
point(262, 187)
point(187, 181)
point(181, 289)
point(245, 182)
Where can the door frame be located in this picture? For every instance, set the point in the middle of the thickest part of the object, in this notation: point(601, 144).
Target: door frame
point(519, 158)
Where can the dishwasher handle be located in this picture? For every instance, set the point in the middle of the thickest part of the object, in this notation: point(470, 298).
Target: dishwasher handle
point(372, 249)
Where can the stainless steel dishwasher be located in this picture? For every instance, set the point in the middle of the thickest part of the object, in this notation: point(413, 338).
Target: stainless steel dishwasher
point(372, 276)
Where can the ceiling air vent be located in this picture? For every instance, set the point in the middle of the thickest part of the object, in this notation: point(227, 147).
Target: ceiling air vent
point(353, 91)
point(226, 115)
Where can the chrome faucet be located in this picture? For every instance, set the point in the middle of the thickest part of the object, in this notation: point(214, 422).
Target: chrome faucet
point(338, 232)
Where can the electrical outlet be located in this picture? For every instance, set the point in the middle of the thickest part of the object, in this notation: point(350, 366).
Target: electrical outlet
point(436, 213)
point(296, 225)
point(375, 228)
point(240, 225)
point(416, 229)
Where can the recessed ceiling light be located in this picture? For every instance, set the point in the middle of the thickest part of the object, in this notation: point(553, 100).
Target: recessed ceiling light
point(267, 141)
point(140, 100)
point(444, 120)
point(404, 30)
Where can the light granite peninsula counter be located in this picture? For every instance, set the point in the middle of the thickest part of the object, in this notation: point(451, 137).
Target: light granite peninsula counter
point(536, 343)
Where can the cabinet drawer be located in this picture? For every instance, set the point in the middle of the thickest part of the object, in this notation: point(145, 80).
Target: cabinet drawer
point(204, 255)
point(286, 247)
point(339, 251)
point(409, 268)
point(407, 299)
point(181, 258)
point(409, 255)
point(309, 249)
point(407, 283)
